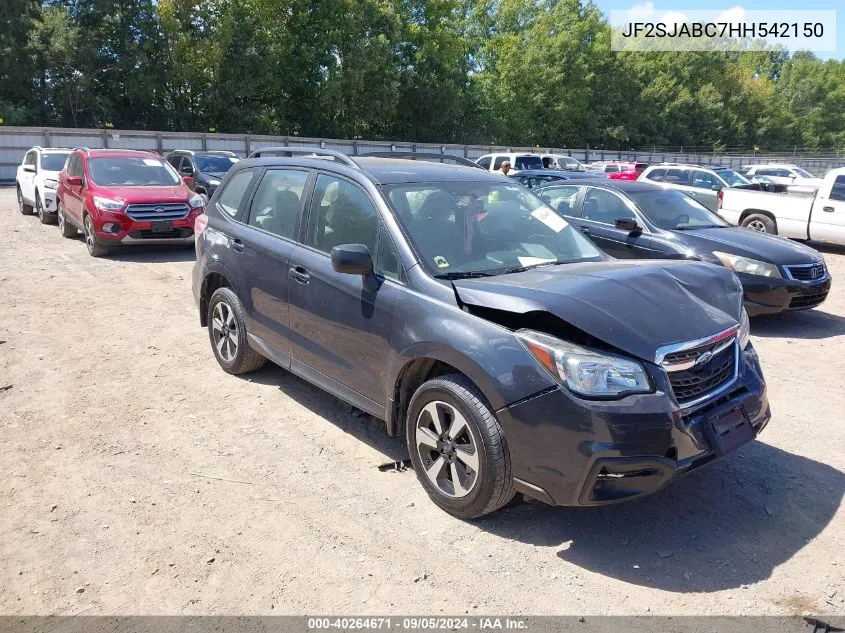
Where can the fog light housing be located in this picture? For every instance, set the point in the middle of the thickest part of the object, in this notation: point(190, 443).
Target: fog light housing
point(111, 227)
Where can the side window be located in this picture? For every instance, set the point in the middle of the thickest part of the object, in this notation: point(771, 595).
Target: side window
point(611, 169)
point(604, 206)
point(499, 160)
point(838, 190)
point(341, 213)
point(275, 205)
point(766, 172)
point(703, 180)
point(29, 159)
point(676, 176)
point(563, 198)
point(484, 161)
point(74, 166)
point(656, 175)
point(231, 197)
point(387, 259)
point(174, 160)
point(784, 173)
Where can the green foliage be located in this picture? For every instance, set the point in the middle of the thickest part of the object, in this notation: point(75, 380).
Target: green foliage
point(519, 72)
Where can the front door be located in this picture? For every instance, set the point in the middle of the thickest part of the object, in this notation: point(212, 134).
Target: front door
point(73, 199)
point(597, 219)
point(340, 324)
point(828, 219)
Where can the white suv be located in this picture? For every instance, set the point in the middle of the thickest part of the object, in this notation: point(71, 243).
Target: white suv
point(37, 178)
point(518, 161)
point(782, 174)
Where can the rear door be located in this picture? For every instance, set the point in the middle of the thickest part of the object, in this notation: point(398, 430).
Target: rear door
point(597, 215)
point(267, 235)
point(340, 324)
point(828, 219)
point(705, 188)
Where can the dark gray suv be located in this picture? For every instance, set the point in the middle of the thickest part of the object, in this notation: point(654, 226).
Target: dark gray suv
point(467, 314)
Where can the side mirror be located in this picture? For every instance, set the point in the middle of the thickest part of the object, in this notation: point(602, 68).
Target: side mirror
point(352, 259)
point(74, 181)
point(187, 170)
point(187, 179)
point(29, 168)
point(628, 224)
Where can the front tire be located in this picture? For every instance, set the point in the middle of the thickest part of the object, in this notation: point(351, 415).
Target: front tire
point(94, 246)
point(43, 216)
point(760, 223)
point(66, 228)
point(227, 333)
point(458, 449)
point(23, 207)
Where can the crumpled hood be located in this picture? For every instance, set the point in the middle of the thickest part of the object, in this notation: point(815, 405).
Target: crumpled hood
point(740, 241)
point(636, 306)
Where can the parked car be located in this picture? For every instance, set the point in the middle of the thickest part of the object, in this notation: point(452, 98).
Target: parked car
point(620, 170)
point(518, 161)
point(202, 171)
point(782, 174)
point(643, 220)
point(700, 182)
point(562, 162)
point(533, 178)
point(796, 211)
point(121, 197)
point(458, 307)
point(36, 181)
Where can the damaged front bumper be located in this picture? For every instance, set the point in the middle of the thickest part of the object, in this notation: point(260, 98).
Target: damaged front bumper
point(570, 451)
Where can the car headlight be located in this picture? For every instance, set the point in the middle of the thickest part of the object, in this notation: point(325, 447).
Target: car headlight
point(50, 183)
point(746, 265)
point(744, 330)
point(196, 202)
point(107, 204)
point(584, 371)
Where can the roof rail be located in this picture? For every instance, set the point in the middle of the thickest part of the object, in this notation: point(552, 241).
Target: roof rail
point(338, 156)
point(423, 155)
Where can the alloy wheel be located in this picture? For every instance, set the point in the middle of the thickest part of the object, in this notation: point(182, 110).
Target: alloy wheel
point(60, 218)
point(225, 331)
point(39, 209)
point(20, 201)
point(756, 225)
point(447, 449)
point(89, 233)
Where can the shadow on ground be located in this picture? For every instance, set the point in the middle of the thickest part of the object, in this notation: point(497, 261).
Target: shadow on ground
point(153, 254)
point(718, 528)
point(807, 324)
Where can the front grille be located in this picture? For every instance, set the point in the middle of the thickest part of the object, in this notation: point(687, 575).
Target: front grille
point(804, 302)
point(806, 273)
point(691, 383)
point(161, 235)
point(162, 212)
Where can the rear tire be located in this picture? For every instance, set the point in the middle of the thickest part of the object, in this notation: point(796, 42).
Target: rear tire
point(760, 223)
point(23, 207)
point(66, 228)
point(227, 333)
point(94, 246)
point(457, 447)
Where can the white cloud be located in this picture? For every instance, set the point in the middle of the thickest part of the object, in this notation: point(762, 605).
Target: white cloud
point(673, 17)
point(641, 12)
point(734, 15)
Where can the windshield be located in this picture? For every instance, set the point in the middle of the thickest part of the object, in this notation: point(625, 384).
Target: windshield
point(214, 164)
point(465, 228)
point(802, 173)
point(528, 162)
point(569, 163)
point(675, 211)
point(732, 178)
point(53, 162)
point(131, 170)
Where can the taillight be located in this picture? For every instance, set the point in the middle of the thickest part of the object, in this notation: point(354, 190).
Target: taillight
point(200, 224)
point(719, 197)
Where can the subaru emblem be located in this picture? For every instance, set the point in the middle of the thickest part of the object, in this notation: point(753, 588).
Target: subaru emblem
point(702, 360)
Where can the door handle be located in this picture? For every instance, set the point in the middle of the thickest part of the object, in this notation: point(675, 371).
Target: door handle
point(299, 274)
point(828, 209)
point(238, 245)
point(585, 230)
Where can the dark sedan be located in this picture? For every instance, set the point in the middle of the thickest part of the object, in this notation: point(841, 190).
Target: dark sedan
point(638, 220)
point(536, 178)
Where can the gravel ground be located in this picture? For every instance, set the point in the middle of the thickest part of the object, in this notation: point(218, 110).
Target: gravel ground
point(136, 477)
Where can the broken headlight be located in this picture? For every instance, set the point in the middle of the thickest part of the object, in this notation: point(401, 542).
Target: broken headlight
point(584, 371)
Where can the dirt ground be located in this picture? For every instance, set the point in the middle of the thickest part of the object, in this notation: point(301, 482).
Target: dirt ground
point(136, 477)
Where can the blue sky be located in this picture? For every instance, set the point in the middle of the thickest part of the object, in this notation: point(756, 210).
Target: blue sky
point(663, 6)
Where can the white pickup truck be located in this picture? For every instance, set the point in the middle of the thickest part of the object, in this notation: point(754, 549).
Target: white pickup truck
point(797, 211)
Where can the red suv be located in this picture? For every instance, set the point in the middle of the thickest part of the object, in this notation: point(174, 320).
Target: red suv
point(621, 170)
point(120, 197)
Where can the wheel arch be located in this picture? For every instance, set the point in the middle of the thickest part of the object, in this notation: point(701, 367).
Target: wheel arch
point(213, 279)
point(768, 214)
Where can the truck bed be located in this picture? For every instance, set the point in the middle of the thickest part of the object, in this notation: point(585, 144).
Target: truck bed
point(789, 205)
